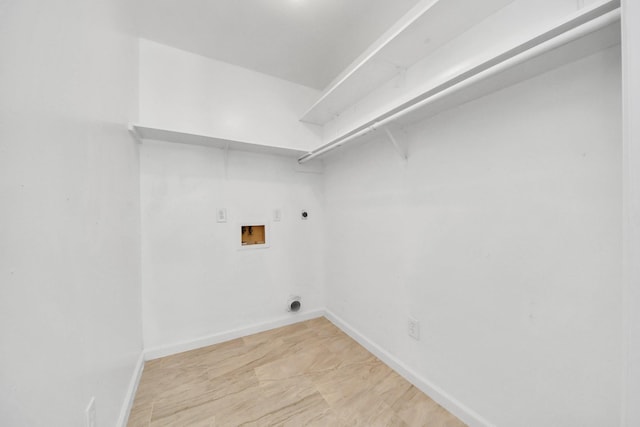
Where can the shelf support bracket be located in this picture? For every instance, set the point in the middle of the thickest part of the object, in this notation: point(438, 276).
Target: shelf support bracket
point(134, 133)
point(399, 146)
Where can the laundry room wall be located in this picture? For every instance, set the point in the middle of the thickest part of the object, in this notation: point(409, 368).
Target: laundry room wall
point(189, 93)
point(70, 316)
point(199, 285)
point(502, 238)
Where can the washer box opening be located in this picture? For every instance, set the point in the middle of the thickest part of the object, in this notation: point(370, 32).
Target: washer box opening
point(253, 235)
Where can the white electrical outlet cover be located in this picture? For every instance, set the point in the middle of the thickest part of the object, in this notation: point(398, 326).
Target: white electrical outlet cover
point(221, 215)
point(277, 215)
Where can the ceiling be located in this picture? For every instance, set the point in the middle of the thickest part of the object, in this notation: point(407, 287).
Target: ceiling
point(304, 41)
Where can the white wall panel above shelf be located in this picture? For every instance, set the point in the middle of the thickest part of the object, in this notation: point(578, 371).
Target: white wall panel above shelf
point(424, 29)
point(154, 133)
point(584, 33)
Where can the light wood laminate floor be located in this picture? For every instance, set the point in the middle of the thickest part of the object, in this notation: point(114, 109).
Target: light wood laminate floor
point(310, 373)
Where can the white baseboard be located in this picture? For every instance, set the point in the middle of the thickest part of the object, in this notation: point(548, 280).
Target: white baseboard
point(461, 411)
point(131, 392)
point(167, 350)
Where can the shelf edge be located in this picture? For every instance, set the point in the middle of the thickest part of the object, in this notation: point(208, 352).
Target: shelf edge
point(144, 132)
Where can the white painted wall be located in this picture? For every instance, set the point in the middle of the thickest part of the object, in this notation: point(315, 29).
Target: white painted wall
point(516, 23)
point(502, 237)
point(70, 322)
point(631, 98)
point(196, 283)
point(189, 93)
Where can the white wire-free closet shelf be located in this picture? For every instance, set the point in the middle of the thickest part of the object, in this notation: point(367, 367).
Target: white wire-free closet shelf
point(587, 32)
point(154, 133)
point(428, 26)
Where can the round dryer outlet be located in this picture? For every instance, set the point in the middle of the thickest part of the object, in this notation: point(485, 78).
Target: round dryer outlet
point(294, 304)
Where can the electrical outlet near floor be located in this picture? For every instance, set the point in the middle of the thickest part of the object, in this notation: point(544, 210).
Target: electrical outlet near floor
point(413, 328)
point(90, 413)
